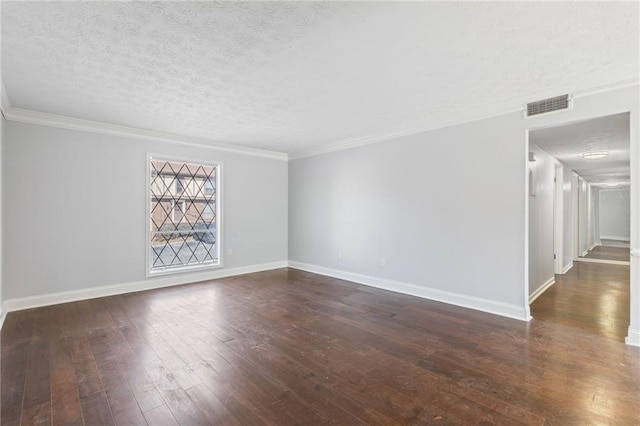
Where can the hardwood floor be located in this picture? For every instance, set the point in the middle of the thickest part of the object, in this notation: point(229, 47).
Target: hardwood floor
point(592, 297)
point(288, 347)
point(609, 253)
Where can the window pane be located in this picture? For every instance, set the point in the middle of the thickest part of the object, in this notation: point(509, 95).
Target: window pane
point(182, 215)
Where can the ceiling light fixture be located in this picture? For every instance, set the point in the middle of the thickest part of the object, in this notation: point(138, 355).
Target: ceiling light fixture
point(594, 155)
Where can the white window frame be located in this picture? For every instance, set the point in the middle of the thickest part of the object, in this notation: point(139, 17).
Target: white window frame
point(218, 209)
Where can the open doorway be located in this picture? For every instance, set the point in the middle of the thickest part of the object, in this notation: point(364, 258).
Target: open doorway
point(579, 224)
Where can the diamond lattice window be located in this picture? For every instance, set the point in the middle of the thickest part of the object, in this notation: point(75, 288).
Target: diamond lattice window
point(183, 215)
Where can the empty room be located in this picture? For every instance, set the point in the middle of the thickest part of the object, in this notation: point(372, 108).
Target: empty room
point(357, 213)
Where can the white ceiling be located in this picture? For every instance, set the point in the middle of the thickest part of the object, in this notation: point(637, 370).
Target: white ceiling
point(567, 143)
point(297, 76)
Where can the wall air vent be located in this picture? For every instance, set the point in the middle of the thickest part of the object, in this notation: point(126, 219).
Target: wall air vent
point(544, 106)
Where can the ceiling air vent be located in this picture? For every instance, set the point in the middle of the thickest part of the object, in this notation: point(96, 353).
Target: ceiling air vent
point(548, 105)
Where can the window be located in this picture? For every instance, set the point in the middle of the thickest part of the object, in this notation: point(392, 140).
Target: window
point(179, 185)
point(208, 187)
point(179, 209)
point(207, 213)
point(184, 206)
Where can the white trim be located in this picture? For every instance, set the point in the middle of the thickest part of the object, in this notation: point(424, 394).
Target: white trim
point(3, 315)
point(558, 216)
point(465, 301)
point(149, 284)
point(349, 143)
point(606, 88)
point(567, 268)
point(533, 296)
point(594, 245)
point(635, 252)
point(606, 261)
point(44, 119)
point(390, 134)
point(584, 253)
point(527, 193)
point(607, 237)
point(53, 120)
point(633, 337)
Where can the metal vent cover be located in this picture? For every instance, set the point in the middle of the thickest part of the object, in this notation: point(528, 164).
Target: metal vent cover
point(548, 105)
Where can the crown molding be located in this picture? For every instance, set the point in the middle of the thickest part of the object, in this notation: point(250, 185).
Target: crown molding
point(421, 127)
point(471, 116)
point(53, 120)
point(606, 88)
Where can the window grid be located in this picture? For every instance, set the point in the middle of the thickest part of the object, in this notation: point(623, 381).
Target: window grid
point(183, 220)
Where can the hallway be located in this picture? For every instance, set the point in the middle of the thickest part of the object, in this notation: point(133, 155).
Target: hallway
point(593, 297)
point(609, 253)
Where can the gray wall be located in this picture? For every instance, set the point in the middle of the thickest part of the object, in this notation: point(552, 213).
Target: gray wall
point(541, 212)
point(615, 210)
point(444, 208)
point(74, 208)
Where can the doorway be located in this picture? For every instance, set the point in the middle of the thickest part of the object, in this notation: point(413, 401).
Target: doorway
point(579, 223)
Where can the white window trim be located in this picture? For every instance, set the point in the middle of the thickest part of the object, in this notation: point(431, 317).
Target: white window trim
point(219, 217)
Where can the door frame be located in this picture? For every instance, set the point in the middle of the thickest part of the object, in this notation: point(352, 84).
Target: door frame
point(589, 111)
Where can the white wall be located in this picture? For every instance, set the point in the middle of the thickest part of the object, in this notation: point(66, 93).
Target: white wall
point(74, 208)
point(595, 216)
point(567, 213)
point(583, 216)
point(443, 208)
point(3, 98)
point(541, 242)
point(615, 214)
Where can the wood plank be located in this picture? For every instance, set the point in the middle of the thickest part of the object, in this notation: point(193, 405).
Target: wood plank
point(160, 416)
point(96, 410)
point(36, 407)
point(66, 407)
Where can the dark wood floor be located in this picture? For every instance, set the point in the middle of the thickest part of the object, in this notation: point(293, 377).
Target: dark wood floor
point(591, 297)
point(287, 347)
point(609, 253)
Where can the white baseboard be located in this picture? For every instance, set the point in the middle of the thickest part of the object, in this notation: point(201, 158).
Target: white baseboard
point(625, 239)
point(567, 268)
point(21, 303)
point(605, 261)
point(594, 245)
point(584, 253)
point(633, 338)
point(533, 296)
point(472, 302)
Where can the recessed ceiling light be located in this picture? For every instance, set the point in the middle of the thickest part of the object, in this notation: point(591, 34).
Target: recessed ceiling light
point(594, 155)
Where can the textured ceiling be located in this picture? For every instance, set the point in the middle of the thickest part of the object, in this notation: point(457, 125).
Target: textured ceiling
point(567, 143)
point(296, 76)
